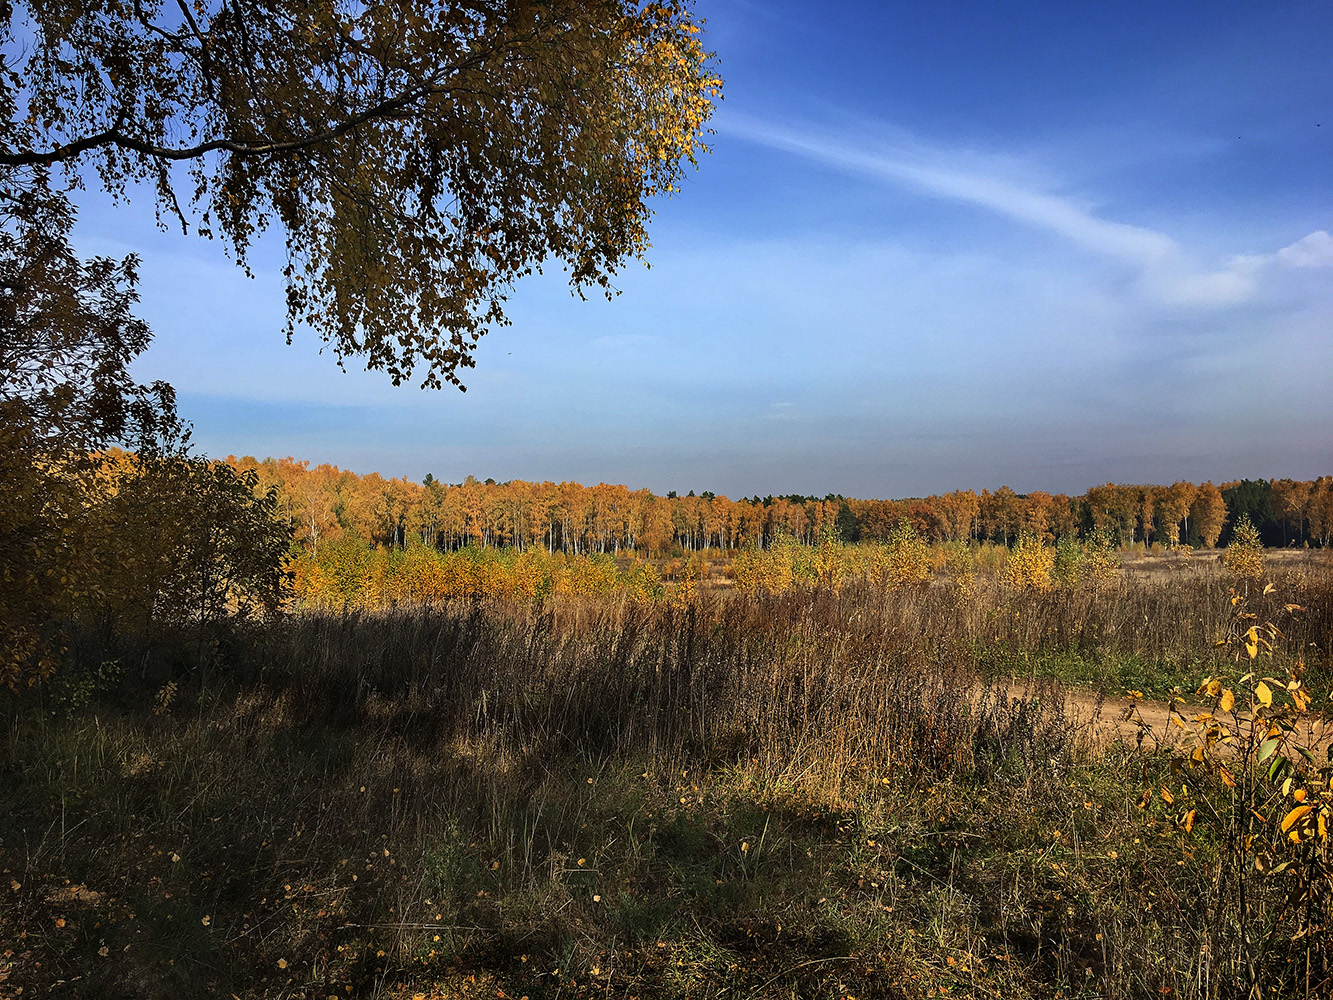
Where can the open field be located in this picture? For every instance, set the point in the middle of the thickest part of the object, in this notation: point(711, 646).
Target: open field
point(859, 606)
point(856, 791)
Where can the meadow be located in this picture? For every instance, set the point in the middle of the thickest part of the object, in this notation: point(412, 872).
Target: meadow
point(838, 771)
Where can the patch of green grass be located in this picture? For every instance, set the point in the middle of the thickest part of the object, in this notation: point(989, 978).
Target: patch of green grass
point(1109, 671)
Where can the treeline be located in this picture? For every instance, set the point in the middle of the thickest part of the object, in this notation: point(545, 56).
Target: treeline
point(325, 503)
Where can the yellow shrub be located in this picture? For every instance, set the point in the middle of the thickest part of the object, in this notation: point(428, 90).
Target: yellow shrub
point(1029, 564)
point(905, 557)
point(1244, 557)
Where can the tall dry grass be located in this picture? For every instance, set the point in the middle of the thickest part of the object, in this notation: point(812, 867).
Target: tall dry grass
point(824, 791)
point(842, 683)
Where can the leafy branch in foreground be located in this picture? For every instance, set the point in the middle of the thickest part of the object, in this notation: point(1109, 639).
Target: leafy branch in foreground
point(1256, 796)
point(419, 157)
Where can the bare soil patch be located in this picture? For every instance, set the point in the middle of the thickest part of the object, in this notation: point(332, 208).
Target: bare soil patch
point(1124, 718)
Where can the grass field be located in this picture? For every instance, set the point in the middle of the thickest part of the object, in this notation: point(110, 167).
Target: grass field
point(823, 792)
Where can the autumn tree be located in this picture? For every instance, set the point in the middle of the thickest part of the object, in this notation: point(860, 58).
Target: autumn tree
point(1173, 510)
point(1000, 513)
point(1244, 555)
point(184, 541)
point(875, 519)
point(1064, 516)
point(1147, 506)
point(1319, 510)
point(1291, 501)
point(1115, 508)
point(1209, 513)
point(956, 515)
point(419, 158)
point(1035, 515)
point(67, 339)
point(655, 534)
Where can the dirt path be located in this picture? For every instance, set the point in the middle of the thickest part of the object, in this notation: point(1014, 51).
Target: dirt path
point(1120, 717)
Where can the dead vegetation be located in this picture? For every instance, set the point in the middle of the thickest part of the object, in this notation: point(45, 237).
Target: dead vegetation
point(831, 792)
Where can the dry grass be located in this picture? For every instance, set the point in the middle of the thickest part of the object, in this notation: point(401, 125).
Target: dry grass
point(812, 794)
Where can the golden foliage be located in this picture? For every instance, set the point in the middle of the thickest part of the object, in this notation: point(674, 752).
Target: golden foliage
point(1244, 773)
point(1029, 564)
point(421, 157)
point(1244, 557)
point(904, 558)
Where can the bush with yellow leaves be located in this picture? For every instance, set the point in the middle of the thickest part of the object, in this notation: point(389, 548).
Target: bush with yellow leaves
point(1244, 556)
point(1029, 564)
point(904, 557)
point(1247, 789)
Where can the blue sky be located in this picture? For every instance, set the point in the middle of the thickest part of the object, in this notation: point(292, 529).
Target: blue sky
point(937, 246)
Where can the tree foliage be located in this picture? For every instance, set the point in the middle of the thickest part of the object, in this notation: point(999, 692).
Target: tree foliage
point(67, 333)
point(67, 338)
point(85, 534)
point(1252, 499)
point(418, 157)
point(323, 502)
point(183, 541)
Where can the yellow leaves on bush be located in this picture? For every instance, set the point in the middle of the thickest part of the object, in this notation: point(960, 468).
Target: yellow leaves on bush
point(905, 557)
point(1244, 557)
point(1029, 564)
point(349, 574)
point(1295, 816)
point(1275, 806)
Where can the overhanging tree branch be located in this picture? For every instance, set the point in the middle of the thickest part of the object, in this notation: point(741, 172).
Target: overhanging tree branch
point(114, 136)
point(419, 157)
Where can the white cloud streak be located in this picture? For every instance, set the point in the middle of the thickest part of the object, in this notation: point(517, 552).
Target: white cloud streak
point(1165, 274)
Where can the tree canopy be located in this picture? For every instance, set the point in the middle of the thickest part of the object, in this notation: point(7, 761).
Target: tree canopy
point(419, 157)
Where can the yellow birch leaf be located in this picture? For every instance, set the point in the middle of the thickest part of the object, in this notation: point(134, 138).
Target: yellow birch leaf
point(1263, 692)
point(1294, 817)
point(1189, 821)
point(1228, 701)
point(1226, 777)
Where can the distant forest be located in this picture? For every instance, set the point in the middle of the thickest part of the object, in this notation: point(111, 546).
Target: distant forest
point(325, 502)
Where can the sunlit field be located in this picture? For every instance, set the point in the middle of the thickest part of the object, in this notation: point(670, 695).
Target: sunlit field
point(847, 771)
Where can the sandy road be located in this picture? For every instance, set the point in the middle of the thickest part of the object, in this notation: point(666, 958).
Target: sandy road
point(1113, 717)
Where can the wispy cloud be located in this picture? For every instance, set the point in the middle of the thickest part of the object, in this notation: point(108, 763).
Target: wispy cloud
point(1315, 250)
point(914, 164)
point(1165, 271)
